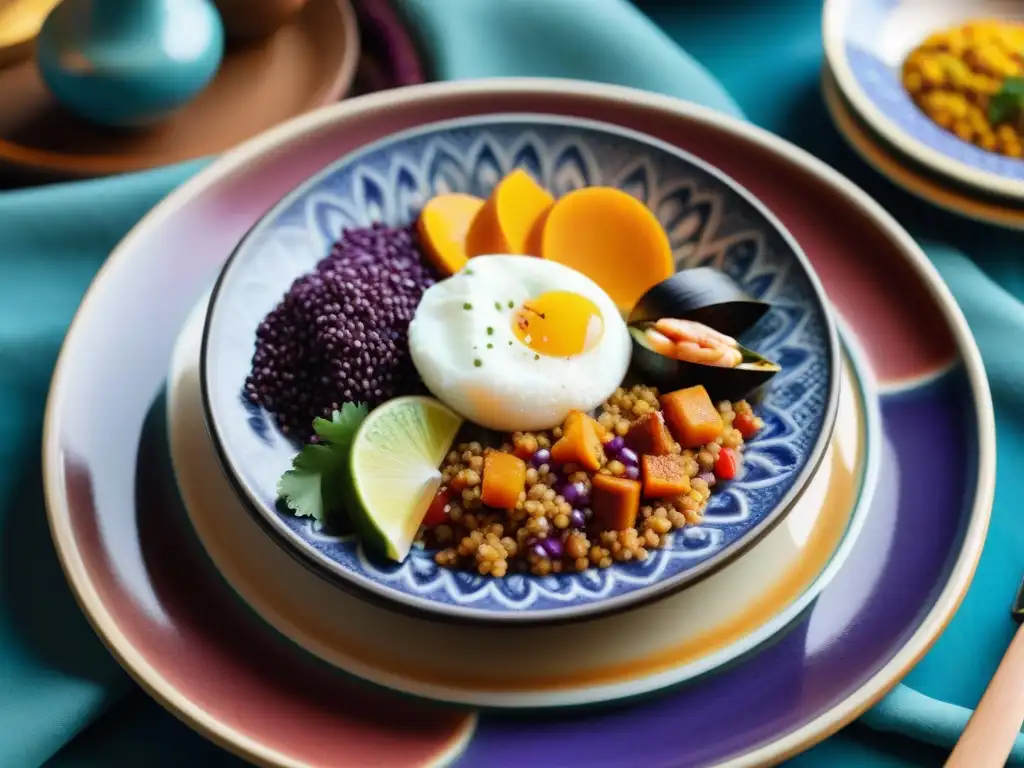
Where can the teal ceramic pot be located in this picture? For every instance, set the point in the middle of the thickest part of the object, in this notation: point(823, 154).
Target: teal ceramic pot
point(129, 62)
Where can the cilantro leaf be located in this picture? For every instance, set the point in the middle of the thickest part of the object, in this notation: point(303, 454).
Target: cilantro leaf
point(303, 487)
point(302, 493)
point(1008, 104)
point(315, 486)
point(343, 424)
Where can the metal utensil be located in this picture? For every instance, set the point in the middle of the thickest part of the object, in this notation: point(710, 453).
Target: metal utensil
point(990, 733)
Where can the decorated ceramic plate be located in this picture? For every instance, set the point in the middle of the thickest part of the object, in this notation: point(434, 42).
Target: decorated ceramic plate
point(153, 595)
point(866, 42)
point(691, 633)
point(710, 222)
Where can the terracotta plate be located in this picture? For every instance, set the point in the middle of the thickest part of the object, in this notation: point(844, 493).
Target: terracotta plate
point(309, 63)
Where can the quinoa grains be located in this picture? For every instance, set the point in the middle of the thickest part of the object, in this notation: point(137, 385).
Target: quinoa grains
point(551, 528)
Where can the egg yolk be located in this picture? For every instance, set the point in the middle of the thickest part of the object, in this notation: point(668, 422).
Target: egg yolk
point(558, 324)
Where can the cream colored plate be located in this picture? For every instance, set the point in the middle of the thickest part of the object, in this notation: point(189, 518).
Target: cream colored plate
point(673, 640)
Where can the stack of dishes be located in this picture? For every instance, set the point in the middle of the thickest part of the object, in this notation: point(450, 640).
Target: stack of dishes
point(484, 518)
point(931, 94)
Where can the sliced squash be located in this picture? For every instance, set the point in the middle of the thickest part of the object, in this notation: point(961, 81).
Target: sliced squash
point(580, 442)
point(692, 417)
point(612, 238)
point(664, 476)
point(504, 479)
point(650, 435)
point(443, 225)
point(615, 501)
point(507, 221)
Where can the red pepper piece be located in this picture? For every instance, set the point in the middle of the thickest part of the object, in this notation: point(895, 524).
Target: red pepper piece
point(726, 464)
point(437, 512)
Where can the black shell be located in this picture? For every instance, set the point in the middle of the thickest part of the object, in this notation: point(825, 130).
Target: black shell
point(704, 295)
point(669, 374)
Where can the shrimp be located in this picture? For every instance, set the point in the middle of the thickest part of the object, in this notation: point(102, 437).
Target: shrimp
point(694, 343)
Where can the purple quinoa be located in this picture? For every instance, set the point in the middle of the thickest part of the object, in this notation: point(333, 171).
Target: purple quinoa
point(340, 332)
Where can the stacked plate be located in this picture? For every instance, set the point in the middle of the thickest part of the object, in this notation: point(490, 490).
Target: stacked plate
point(808, 588)
point(866, 43)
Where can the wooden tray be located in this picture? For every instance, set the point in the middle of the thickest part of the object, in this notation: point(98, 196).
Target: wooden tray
point(307, 64)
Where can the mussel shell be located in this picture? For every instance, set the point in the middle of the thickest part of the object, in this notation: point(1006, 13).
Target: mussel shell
point(704, 295)
point(669, 374)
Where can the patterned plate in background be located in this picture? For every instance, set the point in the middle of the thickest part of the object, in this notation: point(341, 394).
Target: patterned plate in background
point(866, 42)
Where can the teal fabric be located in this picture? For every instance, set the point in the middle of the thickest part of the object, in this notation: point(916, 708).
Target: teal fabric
point(747, 57)
point(111, 91)
point(55, 676)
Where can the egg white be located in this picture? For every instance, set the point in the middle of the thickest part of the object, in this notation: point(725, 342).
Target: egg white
point(507, 386)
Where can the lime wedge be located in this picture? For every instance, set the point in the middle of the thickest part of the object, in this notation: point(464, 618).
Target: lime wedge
point(394, 469)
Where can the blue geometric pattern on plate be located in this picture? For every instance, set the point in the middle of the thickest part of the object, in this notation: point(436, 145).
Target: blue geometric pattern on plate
point(709, 223)
point(880, 82)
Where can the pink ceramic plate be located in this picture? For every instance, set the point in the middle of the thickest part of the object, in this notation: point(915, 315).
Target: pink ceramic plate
point(153, 596)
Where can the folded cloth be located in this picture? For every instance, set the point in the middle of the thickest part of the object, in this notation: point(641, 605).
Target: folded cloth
point(55, 675)
point(768, 59)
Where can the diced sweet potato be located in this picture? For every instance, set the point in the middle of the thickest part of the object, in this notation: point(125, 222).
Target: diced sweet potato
point(649, 435)
point(664, 476)
point(692, 416)
point(615, 501)
point(579, 443)
point(504, 479)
